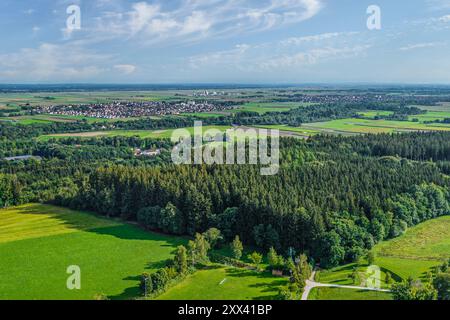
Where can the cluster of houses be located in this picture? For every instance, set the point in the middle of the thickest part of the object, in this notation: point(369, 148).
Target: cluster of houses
point(21, 158)
point(120, 109)
point(147, 153)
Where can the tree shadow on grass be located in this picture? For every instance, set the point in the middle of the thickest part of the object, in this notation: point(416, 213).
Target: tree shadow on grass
point(127, 294)
point(129, 232)
point(395, 276)
point(270, 287)
point(95, 223)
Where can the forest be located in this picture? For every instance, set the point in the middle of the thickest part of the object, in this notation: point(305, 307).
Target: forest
point(334, 198)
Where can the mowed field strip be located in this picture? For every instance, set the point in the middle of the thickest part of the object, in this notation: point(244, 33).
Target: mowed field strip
point(38, 243)
point(413, 254)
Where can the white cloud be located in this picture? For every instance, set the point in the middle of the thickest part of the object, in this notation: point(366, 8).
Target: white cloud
point(50, 62)
point(312, 57)
point(125, 68)
point(278, 55)
point(421, 46)
point(191, 20)
point(445, 19)
point(315, 38)
point(438, 4)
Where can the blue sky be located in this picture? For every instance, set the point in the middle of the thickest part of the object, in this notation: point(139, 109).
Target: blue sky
point(225, 41)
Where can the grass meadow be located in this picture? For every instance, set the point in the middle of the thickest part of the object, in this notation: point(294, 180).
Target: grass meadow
point(347, 294)
point(226, 283)
point(38, 243)
point(412, 255)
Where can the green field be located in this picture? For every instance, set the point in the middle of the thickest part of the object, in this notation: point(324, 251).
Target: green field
point(347, 294)
point(155, 134)
point(296, 130)
point(373, 114)
point(55, 98)
point(429, 240)
point(413, 254)
point(47, 118)
point(264, 107)
point(226, 283)
point(39, 242)
point(361, 126)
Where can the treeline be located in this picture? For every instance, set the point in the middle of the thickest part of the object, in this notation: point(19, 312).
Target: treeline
point(322, 112)
point(420, 146)
point(10, 131)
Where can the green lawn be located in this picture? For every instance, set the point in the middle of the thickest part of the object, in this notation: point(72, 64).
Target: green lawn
point(39, 242)
point(226, 283)
point(347, 294)
point(413, 254)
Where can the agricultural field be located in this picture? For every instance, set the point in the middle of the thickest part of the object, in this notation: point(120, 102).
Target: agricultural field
point(302, 131)
point(55, 98)
point(373, 114)
point(362, 126)
point(414, 254)
point(155, 134)
point(226, 283)
point(431, 116)
point(29, 120)
point(38, 243)
point(264, 107)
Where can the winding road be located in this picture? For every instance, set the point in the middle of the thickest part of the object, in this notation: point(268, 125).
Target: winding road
point(310, 284)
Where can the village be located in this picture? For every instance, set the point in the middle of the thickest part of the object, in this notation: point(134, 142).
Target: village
point(119, 109)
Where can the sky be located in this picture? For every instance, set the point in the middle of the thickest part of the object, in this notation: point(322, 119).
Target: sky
point(224, 41)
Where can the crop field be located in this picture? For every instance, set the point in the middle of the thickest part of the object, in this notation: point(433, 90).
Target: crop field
point(226, 283)
point(431, 116)
point(414, 254)
point(43, 118)
point(289, 129)
point(265, 107)
point(38, 243)
point(155, 134)
point(373, 114)
point(443, 106)
point(54, 98)
point(361, 126)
